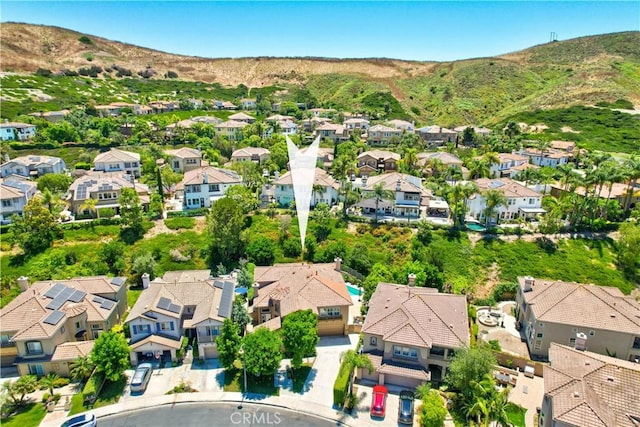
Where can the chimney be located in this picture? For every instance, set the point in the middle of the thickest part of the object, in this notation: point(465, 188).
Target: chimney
point(412, 279)
point(23, 282)
point(255, 290)
point(581, 341)
point(276, 175)
point(205, 178)
point(145, 280)
point(398, 185)
point(338, 262)
point(6, 157)
point(528, 283)
point(364, 180)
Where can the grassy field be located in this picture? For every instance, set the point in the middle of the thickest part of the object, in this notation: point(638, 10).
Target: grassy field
point(234, 382)
point(30, 416)
point(516, 415)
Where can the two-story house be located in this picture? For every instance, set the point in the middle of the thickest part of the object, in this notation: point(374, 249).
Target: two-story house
point(601, 317)
point(190, 303)
point(230, 129)
point(402, 125)
point(164, 106)
point(282, 289)
point(408, 195)
point(14, 131)
point(507, 162)
point(549, 157)
point(15, 192)
point(325, 189)
point(242, 117)
point(426, 160)
point(436, 135)
point(331, 131)
point(32, 166)
point(522, 202)
point(223, 105)
point(106, 189)
point(116, 160)
point(201, 187)
point(382, 135)
point(174, 128)
point(51, 323)
point(356, 123)
point(251, 154)
point(52, 116)
point(410, 334)
point(582, 389)
point(249, 103)
point(310, 125)
point(322, 112)
point(184, 159)
point(377, 161)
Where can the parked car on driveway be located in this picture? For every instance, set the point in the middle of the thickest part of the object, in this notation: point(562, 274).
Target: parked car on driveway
point(84, 420)
point(379, 401)
point(141, 378)
point(405, 409)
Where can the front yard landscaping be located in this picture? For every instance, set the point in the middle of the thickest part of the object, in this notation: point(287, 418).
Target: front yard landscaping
point(234, 382)
point(28, 416)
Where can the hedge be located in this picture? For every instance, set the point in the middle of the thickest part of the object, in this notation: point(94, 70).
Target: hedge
point(341, 385)
point(190, 212)
point(93, 387)
point(177, 223)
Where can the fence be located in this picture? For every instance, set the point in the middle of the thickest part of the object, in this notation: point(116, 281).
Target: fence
point(512, 361)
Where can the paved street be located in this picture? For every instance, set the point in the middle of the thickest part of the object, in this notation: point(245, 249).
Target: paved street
point(213, 415)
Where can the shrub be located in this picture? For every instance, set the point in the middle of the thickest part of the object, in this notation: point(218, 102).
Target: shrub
point(189, 213)
point(292, 247)
point(432, 411)
point(85, 40)
point(45, 397)
point(107, 213)
point(93, 386)
point(171, 75)
point(183, 348)
point(179, 223)
point(495, 345)
point(82, 165)
point(505, 291)
point(43, 72)
point(341, 385)
point(178, 256)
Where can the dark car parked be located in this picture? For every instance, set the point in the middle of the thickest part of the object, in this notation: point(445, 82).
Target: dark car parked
point(405, 409)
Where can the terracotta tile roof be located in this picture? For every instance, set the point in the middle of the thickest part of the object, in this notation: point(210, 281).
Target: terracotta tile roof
point(399, 123)
point(382, 128)
point(71, 350)
point(32, 161)
point(506, 157)
point(301, 286)
point(548, 153)
point(214, 176)
point(380, 154)
point(240, 117)
point(394, 368)
point(444, 157)
point(249, 151)
point(390, 181)
point(17, 125)
point(321, 178)
point(115, 155)
point(591, 390)
point(435, 129)
point(97, 182)
point(509, 187)
point(231, 124)
point(184, 153)
point(588, 306)
point(14, 188)
point(425, 317)
point(524, 166)
point(186, 276)
point(157, 339)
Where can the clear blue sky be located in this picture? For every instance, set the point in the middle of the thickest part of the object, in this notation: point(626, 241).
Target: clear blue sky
point(419, 30)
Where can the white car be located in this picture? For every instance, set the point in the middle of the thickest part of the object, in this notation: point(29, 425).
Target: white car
point(141, 378)
point(84, 420)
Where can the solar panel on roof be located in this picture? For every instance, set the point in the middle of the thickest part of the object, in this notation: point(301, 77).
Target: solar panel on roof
point(107, 304)
point(54, 317)
point(496, 183)
point(118, 281)
point(77, 296)
point(226, 300)
point(164, 303)
point(56, 303)
point(218, 284)
point(99, 300)
point(66, 293)
point(53, 291)
point(174, 308)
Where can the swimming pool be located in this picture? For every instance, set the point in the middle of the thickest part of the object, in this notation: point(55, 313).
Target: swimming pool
point(353, 290)
point(474, 226)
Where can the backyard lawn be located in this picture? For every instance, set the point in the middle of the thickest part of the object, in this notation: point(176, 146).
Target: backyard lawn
point(516, 415)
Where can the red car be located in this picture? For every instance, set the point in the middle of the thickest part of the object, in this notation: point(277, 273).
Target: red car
point(379, 401)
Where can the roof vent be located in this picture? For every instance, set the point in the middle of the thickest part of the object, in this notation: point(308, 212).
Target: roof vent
point(576, 394)
point(613, 315)
point(386, 306)
point(388, 299)
point(610, 379)
point(450, 325)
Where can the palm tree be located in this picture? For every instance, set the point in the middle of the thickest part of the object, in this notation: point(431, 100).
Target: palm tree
point(90, 205)
point(354, 360)
point(545, 177)
point(468, 189)
point(316, 190)
point(379, 193)
point(49, 382)
point(567, 174)
point(479, 168)
point(632, 165)
point(491, 157)
point(454, 174)
point(342, 167)
point(81, 368)
point(493, 198)
point(410, 160)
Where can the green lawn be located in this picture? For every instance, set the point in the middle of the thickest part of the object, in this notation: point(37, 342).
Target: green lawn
point(29, 416)
point(516, 415)
point(234, 382)
point(132, 296)
point(110, 394)
point(76, 404)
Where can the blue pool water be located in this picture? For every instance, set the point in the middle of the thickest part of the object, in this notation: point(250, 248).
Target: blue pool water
point(353, 290)
point(474, 227)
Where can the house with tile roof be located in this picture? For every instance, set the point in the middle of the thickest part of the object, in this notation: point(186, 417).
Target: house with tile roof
point(549, 157)
point(52, 322)
point(116, 160)
point(201, 187)
point(506, 163)
point(32, 166)
point(408, 195)
point(282, 289)
point(15, 193)
point(173, 128)
point(184, 159)
point(242, 117)
point(334, 132)
point(192, 304)
point(554, 311)
point(223, 105)
point(382, 135)
point(249, 103)
point(15, 131)
point(522, 202)
point(106, 189)
point(250, 154)
point(377, 161)
point(231, 129)
point(356, 123)
point(436, 135)
point(447, 159)
point(411, 333)
point(52, 116)
point(402, 125)
point(586, 389)
point(326, 189)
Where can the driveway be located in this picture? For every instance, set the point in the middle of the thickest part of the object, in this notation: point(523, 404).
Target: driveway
point(362, 415)
point(319, 385)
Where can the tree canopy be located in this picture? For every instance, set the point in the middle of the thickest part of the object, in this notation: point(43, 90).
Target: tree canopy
point(111, 354)
point(228, 343)
point(262, 352)
point(469, 365)
point(225, 223)
point(300, 335)
point(36, 229)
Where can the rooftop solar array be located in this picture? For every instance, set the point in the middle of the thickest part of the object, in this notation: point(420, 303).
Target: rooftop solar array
point(118, 281)
point(174, 308)
point(218, 284)
point(54, 317)
point(226, 301)
point(107, 304)
point(53, 291)
point(99, 300)
point(77, 296)
point(496, 183)
point(163, 303)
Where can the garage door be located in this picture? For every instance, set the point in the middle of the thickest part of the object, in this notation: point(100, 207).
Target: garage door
point(330, 328)
point(7, 360)
point(210, 352)
point(401, 381)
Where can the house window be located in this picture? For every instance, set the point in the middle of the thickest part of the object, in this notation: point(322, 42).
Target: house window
point(4, 339)
point(191, 161)
point(36, 369)
point(165, 326)
point(141, 329)
point(408, 352)
point(6, 203)
point(538, 345)
point(95, 326)
point(437, 351)
point(127, 164)
point(572, 341)
point(539, 335)
point(214, 188)
point(330, 312)
point(636, 342)
point(212, 331)
point(373, 341)
point(78, 326)
point(531, 201)
point(34, 347)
